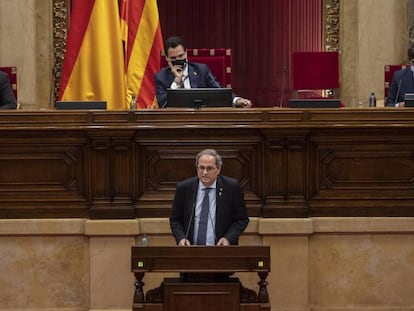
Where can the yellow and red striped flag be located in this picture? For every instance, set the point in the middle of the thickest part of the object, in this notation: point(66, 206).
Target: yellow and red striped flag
point(93, 68)
point(142, 37)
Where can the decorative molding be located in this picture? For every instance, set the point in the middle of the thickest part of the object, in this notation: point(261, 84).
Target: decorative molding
point(410, 12)
point(331, 24)
point(61, 9)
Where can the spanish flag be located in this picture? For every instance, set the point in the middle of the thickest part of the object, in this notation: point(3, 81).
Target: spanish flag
point(93, 68)
point(143, 44)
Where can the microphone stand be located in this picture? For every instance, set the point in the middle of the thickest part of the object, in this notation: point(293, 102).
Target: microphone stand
point(52, 87)
point(283, 87)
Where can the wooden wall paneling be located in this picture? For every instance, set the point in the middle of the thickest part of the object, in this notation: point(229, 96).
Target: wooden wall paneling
point(285, 174)
point(359, 172)
point(112, 174)
point(291, 163)
point(43, 174)
point(170, 158)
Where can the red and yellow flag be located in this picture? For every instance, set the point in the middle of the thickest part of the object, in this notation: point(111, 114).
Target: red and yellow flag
point(142, 37)
point(93, 68)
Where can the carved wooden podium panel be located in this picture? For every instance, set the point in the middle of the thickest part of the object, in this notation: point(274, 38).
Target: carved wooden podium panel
point(126, 164)
point(205, 283)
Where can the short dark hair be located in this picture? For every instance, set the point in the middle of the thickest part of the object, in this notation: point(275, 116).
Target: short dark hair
point(411, 52)
point(173, 42)
point(212, 152)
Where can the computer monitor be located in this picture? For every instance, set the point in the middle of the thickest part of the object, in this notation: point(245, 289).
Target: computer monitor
point(314, 103)
point(199, 98)
point(409, 100)
point(80, 105)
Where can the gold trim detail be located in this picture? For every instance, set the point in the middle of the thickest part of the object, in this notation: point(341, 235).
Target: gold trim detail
point(331, 24)
point(61, 9)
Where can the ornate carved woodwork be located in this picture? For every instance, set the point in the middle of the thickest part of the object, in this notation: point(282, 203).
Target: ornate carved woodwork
point(331, 24)
point(205, 270)
point(126, 164)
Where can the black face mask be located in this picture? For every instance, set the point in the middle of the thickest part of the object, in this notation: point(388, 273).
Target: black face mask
point(179, 62)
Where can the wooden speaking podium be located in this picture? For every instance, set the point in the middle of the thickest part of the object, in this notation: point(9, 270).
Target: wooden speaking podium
point(205, 282)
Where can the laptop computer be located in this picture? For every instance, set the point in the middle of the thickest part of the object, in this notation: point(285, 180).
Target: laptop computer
point(199, 98)
point(409, 100)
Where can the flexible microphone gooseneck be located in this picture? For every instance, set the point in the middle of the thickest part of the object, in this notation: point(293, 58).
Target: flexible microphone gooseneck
point(189, 222)
point(283, 86)
point(398, 93)
point(52, 86)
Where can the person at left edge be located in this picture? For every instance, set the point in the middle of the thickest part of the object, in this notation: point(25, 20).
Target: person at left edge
point(227, 218)
point(181, 74)
point(7, 100)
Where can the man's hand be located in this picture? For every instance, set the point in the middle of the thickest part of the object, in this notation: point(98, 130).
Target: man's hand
point(176, 70)
point(184, 242)
point(223, 242)
point(243, 103)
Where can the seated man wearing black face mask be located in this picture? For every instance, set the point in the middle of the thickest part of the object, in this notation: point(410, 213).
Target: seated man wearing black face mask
point(402, 83)
point(182, 74)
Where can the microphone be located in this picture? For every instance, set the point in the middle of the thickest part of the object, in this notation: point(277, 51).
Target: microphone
point(283, 86)
point(52, 86)
point(398, 93)
point(190, 221)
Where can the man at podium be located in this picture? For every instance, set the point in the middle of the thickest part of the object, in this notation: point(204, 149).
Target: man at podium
point(208, 209)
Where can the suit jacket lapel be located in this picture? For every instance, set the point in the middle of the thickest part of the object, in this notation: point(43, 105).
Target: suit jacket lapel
point(410, 79)
point(193, 76)
point(192, 205)
point(170, 77)
point(219, 205)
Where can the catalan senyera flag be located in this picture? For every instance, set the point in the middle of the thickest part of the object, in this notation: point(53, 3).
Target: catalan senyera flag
point(93, 68)
point(142, 37)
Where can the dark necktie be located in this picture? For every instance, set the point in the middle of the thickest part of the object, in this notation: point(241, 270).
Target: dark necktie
point(202, 225)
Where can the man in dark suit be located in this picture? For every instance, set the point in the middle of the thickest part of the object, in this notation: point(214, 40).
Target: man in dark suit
point(7, 100)
point(226, 217)
point(182, 74)
point(402, 83)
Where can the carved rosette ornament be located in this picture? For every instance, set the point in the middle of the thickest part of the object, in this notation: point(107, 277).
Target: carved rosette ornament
point(331, 24)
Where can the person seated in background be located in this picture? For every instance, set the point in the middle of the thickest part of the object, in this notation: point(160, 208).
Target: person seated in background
point(7, 99)
point(182, 74)
point(402, 83)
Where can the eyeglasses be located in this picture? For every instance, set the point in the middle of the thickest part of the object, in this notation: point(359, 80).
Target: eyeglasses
point(204, 168)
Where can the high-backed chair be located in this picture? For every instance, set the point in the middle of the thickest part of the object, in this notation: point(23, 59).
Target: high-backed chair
point(388, 74)
point(218, 60)
point(12, 72)
point(313, 73)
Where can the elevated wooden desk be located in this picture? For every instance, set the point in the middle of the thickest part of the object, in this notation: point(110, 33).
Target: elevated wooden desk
point(203, 263)
point(126, 164)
